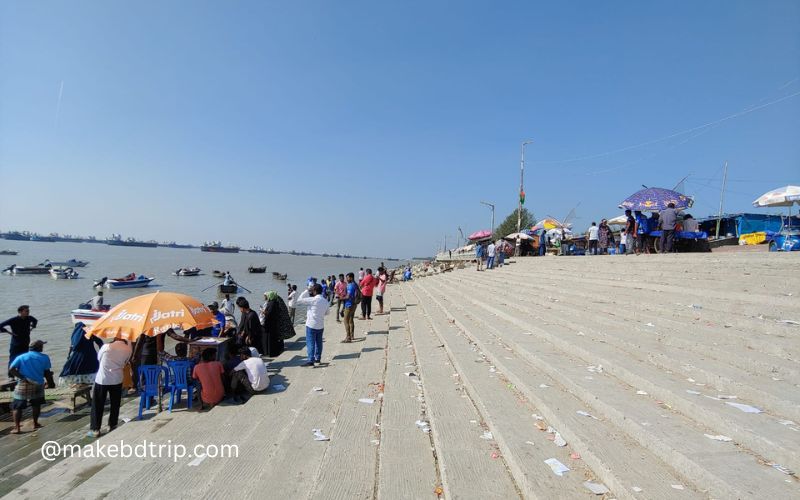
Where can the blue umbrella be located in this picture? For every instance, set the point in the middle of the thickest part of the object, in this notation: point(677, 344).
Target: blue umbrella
point(654, 199)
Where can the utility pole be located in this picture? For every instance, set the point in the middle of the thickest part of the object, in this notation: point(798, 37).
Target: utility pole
point(721, 197)
point(521, 190)
point(490, 205)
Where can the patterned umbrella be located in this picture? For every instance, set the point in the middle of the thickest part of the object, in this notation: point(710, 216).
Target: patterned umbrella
point(781, 197)
point(654, 199)
point(479, 235)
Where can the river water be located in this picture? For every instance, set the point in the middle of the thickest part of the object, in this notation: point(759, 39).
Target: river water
point(52, 300)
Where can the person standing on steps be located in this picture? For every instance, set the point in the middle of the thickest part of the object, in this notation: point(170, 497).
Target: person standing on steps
point(340, 290)
point(316, 307)
point(479, 255)
point(668, 219)
point(367, 286)
point(250, 332)
point(380, 287)
point(491, 251)
point(360, 274)
point(31, 369)
point(21, 326)
point(108, 382)
point(349, 311)
point(291, 302)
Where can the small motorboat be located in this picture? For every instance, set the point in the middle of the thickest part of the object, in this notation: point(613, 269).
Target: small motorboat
point(187, 271)
point(63, 274)
point(218, 274)
point(66, 263)
point(275, 274)
point(230, 288)
point(129, 281)
point(257, 270)
point(281, 277)
point(8, 252)
point(86, 315)
point(15, 269)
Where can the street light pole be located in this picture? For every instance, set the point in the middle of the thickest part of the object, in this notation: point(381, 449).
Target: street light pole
point(490, 205)
point(521, 190)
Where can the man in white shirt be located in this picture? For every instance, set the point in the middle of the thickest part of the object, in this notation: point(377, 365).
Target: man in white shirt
point(592, 235)
point(249, 376)
point(97, 301)
point(360, 274)
point(317, 306)
point(291, 303)
point(490, 253)
point(113, 357)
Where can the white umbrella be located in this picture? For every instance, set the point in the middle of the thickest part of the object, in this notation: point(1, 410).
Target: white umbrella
point(522, 236)
point(781, 197)
point(618, 221)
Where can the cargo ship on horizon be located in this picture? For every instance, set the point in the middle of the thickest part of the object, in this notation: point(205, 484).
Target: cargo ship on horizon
point(117, 241)
point(216, 246)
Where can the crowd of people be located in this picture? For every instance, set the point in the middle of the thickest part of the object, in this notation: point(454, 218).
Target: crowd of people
point(637, 235)
point(235, 371)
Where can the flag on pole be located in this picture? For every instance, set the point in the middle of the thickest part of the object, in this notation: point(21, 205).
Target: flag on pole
point(521, 197)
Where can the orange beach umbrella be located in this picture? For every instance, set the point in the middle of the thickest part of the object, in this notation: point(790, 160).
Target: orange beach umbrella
point(152, 314)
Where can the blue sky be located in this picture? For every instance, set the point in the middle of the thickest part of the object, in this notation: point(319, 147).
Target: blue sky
point(377, 127)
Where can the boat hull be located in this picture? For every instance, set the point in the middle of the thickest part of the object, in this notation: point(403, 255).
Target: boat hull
point(219, 249)
point(228, 289)
point(86, 316)
point(31, 270)
point(115, 284)
point(145, 244)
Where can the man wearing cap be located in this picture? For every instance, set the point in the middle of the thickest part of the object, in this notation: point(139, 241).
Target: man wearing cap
point(217, 329)
point(31, 369)
point(108, 382)
point(21, 326)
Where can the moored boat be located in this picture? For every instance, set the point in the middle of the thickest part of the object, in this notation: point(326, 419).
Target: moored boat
point(15, 269)
point(66, 263)
point(86, 315)
point(218, 274)
point(281, 277)
point(187, 271)
point(63, 274)
point(129, 281)
point(8, 252)
point(257, 270)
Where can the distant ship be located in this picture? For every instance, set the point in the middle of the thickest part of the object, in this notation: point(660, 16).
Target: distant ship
point(39, 237)
point(216, 246)
point(172, 244)
point(67, 238)
point(257, 249)
point(117, 241)
point(17, 236)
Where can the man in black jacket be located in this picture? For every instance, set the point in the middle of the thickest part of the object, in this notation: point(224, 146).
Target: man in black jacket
point(250, 333)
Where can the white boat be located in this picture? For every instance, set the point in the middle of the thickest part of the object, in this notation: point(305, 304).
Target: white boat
point(87, 316)
point(63, 274)
point(65, 264)
point(130, 281)
point(15, 269)
point(187, 271)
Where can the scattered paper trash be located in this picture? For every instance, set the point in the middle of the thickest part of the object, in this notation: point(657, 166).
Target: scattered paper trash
point(492, 369)
point(696, 306)
point(537, 417)
point(559, 441)
point(789, 322)
point(781, 468)
point(375, 442)
point(696, 393)
point(197, 460)
point(319, 436)
point(125, 419)
point(279, 387)
point(495, 455)
point(650, 325)
point(575, 455)
point(586, 414)
point(677, 486)
point(473, 421)
point(641, 393)
point(527, 333)
point(487, 435)
point(557, 467)
point(541, 425)
point(367, 401)
point(744, 408)
point(317, 389)
point(423, 426)
point(636, 489)
point(543, 386)
point(786, 422)
point(596, 488)
point(410, 374)
point(581, 334)
point(718, 437)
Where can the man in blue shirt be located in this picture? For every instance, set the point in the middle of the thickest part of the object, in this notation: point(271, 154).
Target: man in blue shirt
point(31, 369)
point(219, 327)
point(350, 308)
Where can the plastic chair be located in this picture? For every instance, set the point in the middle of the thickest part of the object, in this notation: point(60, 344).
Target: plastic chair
point(148, 384)
point(180, 381)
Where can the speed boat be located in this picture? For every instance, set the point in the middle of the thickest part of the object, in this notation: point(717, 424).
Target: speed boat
point(86, 315)
point(187, 271)
point(66, 263)
point(15, 269)
point(63, 274)
point(8, 252)
point(129, 281)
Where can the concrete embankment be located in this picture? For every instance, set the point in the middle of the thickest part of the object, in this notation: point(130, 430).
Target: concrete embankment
point(645, 370)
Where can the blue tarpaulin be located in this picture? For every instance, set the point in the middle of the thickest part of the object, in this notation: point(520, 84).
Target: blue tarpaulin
point(739, 224)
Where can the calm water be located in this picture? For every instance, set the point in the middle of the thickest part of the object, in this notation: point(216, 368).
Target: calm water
point(52, 300)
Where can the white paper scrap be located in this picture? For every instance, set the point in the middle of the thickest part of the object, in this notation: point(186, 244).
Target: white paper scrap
point(558, 468)
point(744, 408)
point(586, 414)
point(487, 435)
point(718, 437)
point(641, 393)
point(367, 401)
point(319, 436)
point(559, 441)
point(596, 488)
point(197, 460)
point(696, 393)
point(677, 486)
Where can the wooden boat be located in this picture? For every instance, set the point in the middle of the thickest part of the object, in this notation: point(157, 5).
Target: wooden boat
point(63, 274)
point(281, 277)
point(8, 252)
point(86, 315)
point(231, 288)
point(275, 274)
point(66, 263)
point(129, 281)
point(257, 270)
point(14, 269)
point(218, 274)
point(187, 271)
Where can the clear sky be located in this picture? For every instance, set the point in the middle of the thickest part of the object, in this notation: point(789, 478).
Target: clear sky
point(377, 127)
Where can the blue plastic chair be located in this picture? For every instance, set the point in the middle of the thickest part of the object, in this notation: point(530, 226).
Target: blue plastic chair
point(149, 386)
point(180, 381)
